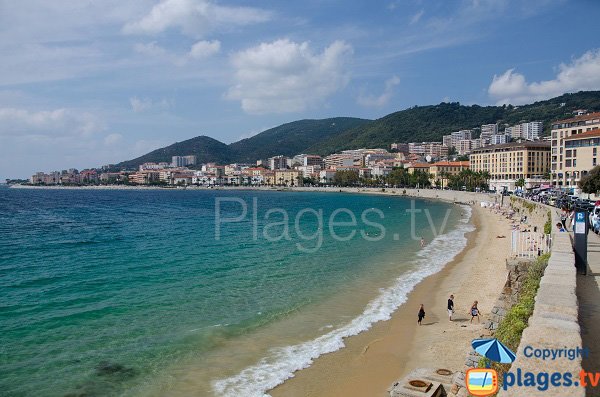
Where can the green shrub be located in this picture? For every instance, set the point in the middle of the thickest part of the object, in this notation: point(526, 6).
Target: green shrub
point(548, 224)
point(514, 323)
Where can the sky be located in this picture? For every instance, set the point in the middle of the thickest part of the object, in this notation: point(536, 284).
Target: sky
point(91, 82)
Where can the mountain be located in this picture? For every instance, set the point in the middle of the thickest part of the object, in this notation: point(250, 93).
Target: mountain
point(292, 138)
point(287, 139)
point(416, 124)
point(430, 123)
point(205, 148)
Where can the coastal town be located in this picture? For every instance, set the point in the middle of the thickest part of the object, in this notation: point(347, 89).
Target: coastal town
point(518, 158)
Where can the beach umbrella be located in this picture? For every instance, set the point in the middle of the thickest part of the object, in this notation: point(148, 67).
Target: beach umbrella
point(494, 350)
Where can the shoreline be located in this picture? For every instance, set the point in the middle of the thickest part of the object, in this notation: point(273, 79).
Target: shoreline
point(453, 196)
point(372, 360)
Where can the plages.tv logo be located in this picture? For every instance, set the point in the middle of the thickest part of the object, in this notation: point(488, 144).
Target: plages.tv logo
point(481, 381)
point(484, 381)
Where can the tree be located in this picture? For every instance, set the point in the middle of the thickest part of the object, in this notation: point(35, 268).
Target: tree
point(590, 183)
point(346, 178)
point(520, 183)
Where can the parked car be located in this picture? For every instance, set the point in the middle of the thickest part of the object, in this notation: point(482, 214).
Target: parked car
point(595, 219)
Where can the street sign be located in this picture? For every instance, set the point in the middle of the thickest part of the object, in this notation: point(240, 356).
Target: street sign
point(580, 221)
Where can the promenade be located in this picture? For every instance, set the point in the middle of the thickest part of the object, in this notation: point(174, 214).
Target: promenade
point(588, 294)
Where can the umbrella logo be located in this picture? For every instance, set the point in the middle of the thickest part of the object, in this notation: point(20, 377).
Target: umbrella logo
point(484, 381)
point(494, 350)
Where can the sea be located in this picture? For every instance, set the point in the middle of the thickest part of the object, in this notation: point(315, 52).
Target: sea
point(174, 292)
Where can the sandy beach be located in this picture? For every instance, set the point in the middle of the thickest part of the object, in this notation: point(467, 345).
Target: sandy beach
point(373, 360)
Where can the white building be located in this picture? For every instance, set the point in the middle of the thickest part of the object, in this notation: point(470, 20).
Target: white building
point(326, 176)
point(278, 163)
point(462, 135)
point(498, 139)
point(183, 161)
point(532, 131)
point(487, 131)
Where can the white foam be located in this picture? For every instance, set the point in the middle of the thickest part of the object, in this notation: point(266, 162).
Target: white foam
point(281, 363)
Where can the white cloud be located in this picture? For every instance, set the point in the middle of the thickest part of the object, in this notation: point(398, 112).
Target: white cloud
point(139, 105)
point(384, 98)
point(194, 18)
point(112, 139)
point(152, 49)
point(200, 50)
point(285, 76)
point(203, 49)
point(581, 74)
point(417, 17)
point(58, 122)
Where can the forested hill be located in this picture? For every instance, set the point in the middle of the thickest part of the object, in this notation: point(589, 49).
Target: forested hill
point(326, 136)
point(430, 123)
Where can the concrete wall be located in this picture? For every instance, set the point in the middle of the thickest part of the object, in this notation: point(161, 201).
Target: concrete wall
point(554, 323)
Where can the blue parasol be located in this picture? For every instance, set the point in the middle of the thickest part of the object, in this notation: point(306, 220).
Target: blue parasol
point(494, 350)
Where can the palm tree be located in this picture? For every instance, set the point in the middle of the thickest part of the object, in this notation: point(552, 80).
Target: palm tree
point(520, 183)
point(443, 175)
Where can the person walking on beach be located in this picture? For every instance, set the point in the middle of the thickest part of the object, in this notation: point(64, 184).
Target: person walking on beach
point(422, 242)
point(474, 312)
point(450, 307)
point(421, 314)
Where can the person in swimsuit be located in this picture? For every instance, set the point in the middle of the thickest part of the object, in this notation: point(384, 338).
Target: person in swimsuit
point(474, 312)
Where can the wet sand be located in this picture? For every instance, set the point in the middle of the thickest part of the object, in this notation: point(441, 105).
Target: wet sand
point(373, 360)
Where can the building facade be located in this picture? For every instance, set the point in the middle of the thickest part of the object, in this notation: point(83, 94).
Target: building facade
point(564, 177)
point(581, 155)
point(183, 161)
point(507, 163)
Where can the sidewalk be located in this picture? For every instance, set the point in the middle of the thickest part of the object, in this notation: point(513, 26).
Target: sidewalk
point(588, 294)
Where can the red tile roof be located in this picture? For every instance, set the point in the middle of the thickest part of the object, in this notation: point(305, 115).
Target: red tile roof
point(452, 163)
point(583, 117)
point(583, 135)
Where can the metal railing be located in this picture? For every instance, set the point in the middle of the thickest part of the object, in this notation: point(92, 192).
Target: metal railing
point(529, 244)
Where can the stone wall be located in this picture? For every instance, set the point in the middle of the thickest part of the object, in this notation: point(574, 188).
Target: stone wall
point(554, 323)
point(517, 270)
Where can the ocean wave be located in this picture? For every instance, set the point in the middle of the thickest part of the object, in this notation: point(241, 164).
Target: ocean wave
point(282, 363)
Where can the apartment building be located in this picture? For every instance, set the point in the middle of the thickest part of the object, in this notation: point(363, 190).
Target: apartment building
point(580, 156)
point(563, 176)
point(499, 139)
point(400, 147)
point(183, 161)
point(487, 131)
point(278, 163)
point(531, 131)
point(339, 160)
point(509, 162)
point(289, 177)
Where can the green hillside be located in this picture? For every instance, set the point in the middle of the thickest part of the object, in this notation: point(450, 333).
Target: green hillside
point(292, 138)
point(287, 139)
point(205, 148)
point(430, 123)
point(419, 123)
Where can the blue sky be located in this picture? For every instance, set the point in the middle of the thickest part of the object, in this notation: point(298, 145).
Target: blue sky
point(86, 83)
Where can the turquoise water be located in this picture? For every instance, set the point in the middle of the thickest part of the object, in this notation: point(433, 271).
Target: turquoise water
point(103, 293)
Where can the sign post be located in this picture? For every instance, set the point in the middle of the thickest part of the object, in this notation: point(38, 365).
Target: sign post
point(580, 230)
